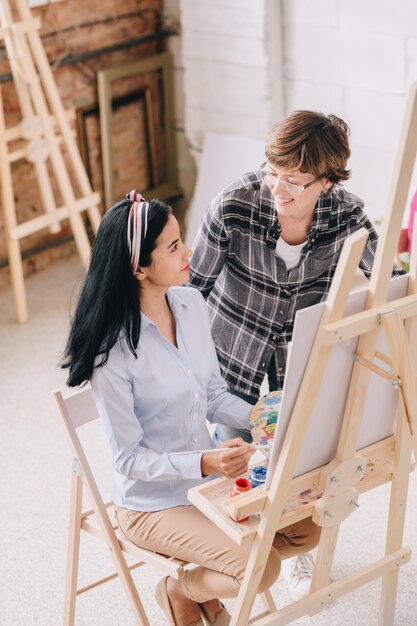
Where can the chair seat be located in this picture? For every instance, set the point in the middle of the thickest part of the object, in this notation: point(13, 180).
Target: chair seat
point(166, 564)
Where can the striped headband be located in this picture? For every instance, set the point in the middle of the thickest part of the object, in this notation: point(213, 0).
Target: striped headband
point(136, 226)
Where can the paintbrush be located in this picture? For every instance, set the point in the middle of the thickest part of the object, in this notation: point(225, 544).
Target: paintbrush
point(254, 446)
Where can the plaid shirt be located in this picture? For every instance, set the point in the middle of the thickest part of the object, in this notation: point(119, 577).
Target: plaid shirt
point(252, 297)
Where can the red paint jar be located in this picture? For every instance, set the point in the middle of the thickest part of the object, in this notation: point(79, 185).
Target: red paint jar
point(240, 486)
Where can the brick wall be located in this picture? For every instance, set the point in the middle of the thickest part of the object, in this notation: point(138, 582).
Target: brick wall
point(72, 28)
point(240, 65)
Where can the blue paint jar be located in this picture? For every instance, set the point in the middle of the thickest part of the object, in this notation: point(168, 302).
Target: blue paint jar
point(257, 476)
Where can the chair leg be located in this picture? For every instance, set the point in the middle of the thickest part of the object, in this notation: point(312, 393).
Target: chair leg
point(268, 601)
point(129, 586)
point(73, 550)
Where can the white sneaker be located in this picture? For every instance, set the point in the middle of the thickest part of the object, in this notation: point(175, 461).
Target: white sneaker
point(298, 572)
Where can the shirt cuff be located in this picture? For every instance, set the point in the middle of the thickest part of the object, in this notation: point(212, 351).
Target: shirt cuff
point(188, 464)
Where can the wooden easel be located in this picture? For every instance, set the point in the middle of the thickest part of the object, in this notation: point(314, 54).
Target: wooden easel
point(46, 131)
point(334, 488)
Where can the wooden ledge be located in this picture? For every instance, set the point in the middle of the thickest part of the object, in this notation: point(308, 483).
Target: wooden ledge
point(213, 499)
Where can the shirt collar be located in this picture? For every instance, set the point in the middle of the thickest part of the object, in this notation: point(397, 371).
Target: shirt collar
point(269, 219)
point(176, 303)
point(322, 211)
point(268, 216)
point(145, 322)
point(176, 300)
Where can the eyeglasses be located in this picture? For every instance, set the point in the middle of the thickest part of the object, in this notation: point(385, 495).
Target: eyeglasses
point(292, 188)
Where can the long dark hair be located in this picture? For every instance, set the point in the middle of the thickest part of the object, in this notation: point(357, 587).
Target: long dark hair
point(109, 300)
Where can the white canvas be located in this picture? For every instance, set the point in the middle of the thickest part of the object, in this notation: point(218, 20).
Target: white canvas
point(224, 158)
point(323, 432)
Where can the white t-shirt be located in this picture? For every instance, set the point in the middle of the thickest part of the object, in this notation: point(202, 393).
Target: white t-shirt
point(290, 254)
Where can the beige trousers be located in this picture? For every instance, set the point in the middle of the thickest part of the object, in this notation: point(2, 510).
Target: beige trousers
point(185, 533)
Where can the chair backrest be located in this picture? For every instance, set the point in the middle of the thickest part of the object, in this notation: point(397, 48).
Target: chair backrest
point(78, 410)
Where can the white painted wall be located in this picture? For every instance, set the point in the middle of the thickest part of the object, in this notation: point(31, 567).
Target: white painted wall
point(247, 62)
point(187, 169)
point(231, 52)
point(355, 58)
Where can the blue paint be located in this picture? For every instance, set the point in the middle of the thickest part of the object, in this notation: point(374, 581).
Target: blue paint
point(270, 401)
point(257, 476)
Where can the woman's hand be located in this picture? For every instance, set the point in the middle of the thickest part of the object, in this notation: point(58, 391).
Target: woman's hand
point(230, 459)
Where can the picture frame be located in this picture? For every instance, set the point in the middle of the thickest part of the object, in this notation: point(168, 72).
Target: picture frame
point(87, 114)
point(106, 79)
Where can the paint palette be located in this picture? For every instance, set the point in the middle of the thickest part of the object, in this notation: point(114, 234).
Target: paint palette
point(263, 419)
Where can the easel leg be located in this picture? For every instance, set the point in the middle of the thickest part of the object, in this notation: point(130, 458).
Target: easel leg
point(405, 439)
point(16, 273)
point(9, 211)
point(396, 518)
point(253, 574)
point(324, 559)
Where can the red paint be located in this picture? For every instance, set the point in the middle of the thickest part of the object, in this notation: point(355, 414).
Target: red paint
point(240, 486)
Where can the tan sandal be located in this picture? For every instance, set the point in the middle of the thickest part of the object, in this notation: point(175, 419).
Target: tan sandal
point(223, 617)
point(161, 596)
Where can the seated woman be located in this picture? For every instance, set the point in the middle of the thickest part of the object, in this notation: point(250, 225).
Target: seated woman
point(143, 341)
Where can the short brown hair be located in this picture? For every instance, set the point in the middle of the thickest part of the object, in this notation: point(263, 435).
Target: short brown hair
point(311, 142)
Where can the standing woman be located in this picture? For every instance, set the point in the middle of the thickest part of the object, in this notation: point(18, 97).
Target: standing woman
point(143, 341)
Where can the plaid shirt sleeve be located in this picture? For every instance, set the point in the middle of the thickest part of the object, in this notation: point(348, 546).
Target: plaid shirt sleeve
point(210, 249)
point(368, 256)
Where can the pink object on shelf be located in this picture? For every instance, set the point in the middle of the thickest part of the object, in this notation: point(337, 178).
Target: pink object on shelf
point(413, 209)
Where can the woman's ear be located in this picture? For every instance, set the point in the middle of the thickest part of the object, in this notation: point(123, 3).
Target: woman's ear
point(140, 273)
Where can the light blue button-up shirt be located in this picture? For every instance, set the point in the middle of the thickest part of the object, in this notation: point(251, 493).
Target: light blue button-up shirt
point(158, 403)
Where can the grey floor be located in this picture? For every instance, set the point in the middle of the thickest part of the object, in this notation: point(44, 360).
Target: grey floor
point(35, 471)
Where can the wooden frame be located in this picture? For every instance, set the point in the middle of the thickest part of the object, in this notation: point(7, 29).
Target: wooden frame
point(333, 490)
point(93, 110)
point(159, 62)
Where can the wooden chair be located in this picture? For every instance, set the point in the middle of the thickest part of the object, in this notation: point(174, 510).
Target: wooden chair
point(77, 411)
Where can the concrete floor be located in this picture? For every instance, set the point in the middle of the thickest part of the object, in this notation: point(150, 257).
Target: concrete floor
point(35, 470)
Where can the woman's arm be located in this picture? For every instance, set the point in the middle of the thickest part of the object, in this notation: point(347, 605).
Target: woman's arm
point(113, 395)
point(230, 459)
point(224, 407)
point(112, 389)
